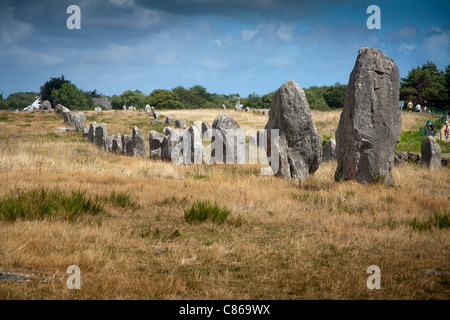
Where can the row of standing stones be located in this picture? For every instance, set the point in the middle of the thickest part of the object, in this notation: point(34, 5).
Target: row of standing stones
point(367, 133)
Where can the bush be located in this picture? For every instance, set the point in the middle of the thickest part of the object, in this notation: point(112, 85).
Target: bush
point(203, 210)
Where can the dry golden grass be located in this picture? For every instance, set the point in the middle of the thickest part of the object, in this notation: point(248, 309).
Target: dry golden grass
point(284, 239)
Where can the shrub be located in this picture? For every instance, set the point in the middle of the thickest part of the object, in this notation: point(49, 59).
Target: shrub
point(203, 210)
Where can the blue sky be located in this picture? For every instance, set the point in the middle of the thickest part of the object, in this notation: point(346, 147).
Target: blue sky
point(234, 46)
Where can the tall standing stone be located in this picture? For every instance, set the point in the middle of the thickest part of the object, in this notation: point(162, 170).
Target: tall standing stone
point(126, 143)
point(116, 143)
point(300, 145)
point(91, 133)
point(228, 141)
point(431, 153)
point(171, 146)
point(101, 133)
point(137, 148)
point(155, 140)
point(370, 122)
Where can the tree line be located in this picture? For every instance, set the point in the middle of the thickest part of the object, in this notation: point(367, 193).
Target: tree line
point(425, 85)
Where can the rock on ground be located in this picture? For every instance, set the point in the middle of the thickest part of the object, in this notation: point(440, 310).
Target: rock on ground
point(370, 122)
point(300, 145)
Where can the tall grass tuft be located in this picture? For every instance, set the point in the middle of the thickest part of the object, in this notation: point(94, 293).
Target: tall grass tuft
point(41, 204)
point(203, 210)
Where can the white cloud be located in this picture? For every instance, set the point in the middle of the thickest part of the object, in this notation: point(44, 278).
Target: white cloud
point(247, 35)
point(286, 31)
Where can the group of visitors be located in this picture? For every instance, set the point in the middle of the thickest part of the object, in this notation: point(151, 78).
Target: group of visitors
point(418, 108)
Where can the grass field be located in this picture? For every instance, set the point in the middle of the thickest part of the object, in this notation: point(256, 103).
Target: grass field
point(144, 229)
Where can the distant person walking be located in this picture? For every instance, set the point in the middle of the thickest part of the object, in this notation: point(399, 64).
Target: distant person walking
point(418, 109)
point(428, 127)
point(446, 132)
point(432, 129)
point(410, 106)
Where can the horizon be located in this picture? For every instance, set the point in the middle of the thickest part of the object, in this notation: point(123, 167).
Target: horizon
point(228, 47)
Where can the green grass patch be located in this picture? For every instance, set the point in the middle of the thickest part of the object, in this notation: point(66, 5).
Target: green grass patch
point(410, 141)
point(41, 204)
point(203, 210)
point(439, 220)
point(122, 200)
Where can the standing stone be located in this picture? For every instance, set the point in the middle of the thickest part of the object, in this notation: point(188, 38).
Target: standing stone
point(247, 109)
point(46, 106)
point(224, 107)
point(300, 146)
point(116, 143)
point(108, 143)
point(254, 110)
point(85, 131)
point(206, 131)
point(193, 150)
point(265, 112)
point(171, 147)
point(227, 136)
point(78, 120)
point(370, 122)
point(431, 154)
point(64, 110)
point(126, 143)
point(124, 108)
point(137, 146)
point(155, 140)
point(237, 106)
point(91, 133)
point(156, 115)
point(169, 120)
point(180, 124)
point(101, 133)
point(58, 108)
point(329, 151)
point(148, 109)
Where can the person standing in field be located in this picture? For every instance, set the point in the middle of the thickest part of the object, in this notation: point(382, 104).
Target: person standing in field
point(446, 132)
point(432, 129)
point(410, 106)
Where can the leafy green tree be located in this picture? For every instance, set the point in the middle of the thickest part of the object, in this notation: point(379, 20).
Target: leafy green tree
point(72, 97)
point(129, 98)
point(47, 88)
point(21, 99)
point(426, 85)
point(267, 100)
point(253, 101)
point(335, 95)
point(165, 99)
